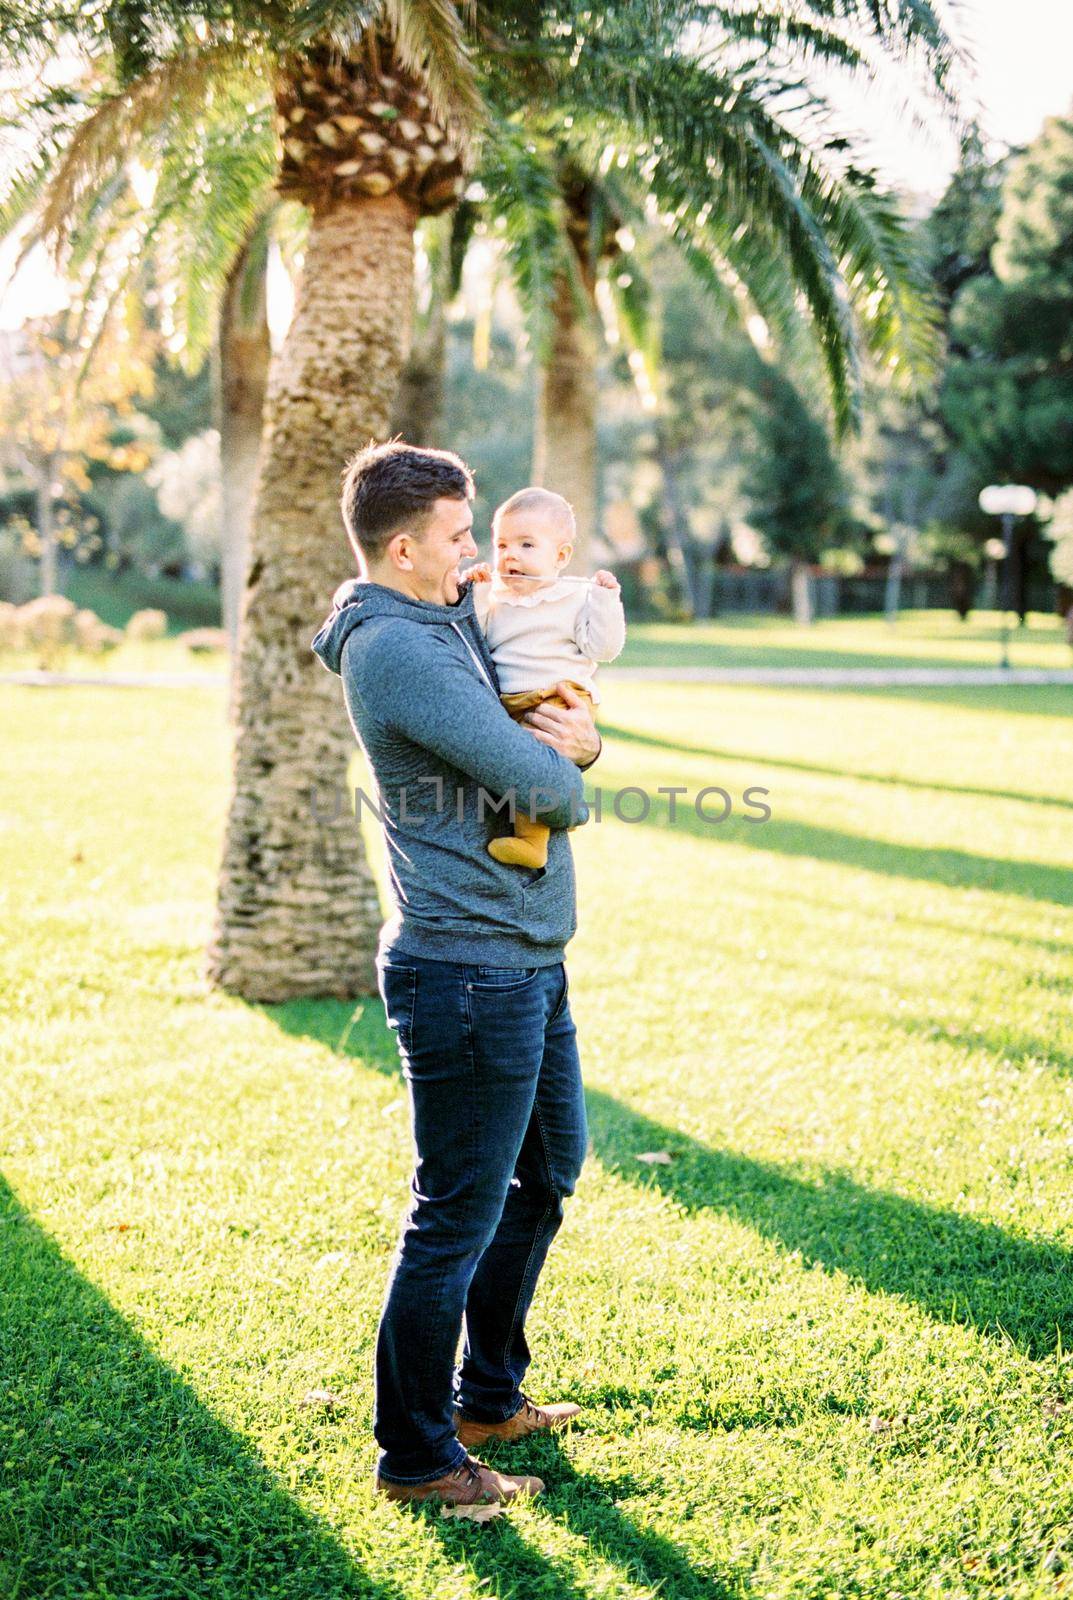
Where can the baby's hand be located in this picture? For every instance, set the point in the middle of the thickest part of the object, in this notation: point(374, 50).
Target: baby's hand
point(606, 580)
point(481, 573)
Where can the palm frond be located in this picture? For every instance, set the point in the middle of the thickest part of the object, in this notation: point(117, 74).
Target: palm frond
point(427, 34)
point(33, 29)
point(744, 270)
point(345, 21)
point(912, 30)
point(633, 306)
point(523, 195)
point(719, 148)
point(801, 38)
point(179, 87)
point(48, 117)
point(24, 189)
point(210, 221)
point(887, 281)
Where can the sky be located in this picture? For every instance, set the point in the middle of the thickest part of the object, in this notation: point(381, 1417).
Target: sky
point(1023, 52)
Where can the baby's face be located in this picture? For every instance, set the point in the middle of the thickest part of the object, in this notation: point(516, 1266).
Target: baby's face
point(527, 546)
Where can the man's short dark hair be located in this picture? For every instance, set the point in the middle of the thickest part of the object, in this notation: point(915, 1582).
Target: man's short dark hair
point(389, 487)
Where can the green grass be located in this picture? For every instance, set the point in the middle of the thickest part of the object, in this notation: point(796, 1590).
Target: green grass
point(917, 639)
point(823, 1352)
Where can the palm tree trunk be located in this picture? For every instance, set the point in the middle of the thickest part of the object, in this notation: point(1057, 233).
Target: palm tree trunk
point(243, 353)
point(421, 402)
point(801, 592)
point(298, 910)
point(565, 447)
point(46, 529)
point(892, 592)
point(680, 548)
point(419, 408)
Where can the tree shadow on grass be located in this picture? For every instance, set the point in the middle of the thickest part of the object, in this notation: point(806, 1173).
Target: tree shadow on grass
point(1019, 1048)
point(117, 1482)
point(708, 753)
point(119, 1485)
point(879, 912)
point(954, 869)
point(585, 1505)
point(955, 1268)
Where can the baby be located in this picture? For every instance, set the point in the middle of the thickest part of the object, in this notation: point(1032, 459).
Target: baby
point(541, 629)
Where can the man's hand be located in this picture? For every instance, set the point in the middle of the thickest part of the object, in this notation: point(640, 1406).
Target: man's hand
point(606, 580)
point(480, 573)
point(569, 729)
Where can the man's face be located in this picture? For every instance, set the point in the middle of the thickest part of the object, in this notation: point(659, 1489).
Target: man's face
point(435, 554)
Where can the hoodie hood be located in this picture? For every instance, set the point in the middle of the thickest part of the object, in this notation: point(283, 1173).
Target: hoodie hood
point(356, 600)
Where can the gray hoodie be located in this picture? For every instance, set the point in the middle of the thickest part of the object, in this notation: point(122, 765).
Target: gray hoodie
point(423, 699)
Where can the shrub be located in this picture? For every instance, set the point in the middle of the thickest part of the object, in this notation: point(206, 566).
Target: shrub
point(46, 625)
point(147, 625)
point(94, 636)
point(47, 620)
point(201, 640)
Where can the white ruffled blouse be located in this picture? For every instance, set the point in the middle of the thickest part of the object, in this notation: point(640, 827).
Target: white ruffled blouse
point(560, 630)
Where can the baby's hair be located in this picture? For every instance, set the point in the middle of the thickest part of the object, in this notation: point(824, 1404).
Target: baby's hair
point(546, 503)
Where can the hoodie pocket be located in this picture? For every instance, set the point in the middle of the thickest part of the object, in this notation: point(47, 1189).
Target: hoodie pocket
point(548, 906)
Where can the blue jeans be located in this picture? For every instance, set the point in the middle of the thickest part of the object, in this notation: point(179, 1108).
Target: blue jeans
point(490, 1059)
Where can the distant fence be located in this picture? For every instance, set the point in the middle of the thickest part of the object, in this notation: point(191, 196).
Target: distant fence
point(767, 589)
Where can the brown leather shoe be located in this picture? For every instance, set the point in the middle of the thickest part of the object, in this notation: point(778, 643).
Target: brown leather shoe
point(471, 1483)
point(529, 1419)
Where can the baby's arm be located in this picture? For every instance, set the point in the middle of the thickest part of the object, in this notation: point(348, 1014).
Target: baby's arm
point(600, 625)
point(481, 577)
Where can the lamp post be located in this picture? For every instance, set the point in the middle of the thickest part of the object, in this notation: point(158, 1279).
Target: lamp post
point(1008, 501)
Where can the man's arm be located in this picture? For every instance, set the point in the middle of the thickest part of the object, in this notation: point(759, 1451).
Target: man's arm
point(568, 728)
point(417, 685)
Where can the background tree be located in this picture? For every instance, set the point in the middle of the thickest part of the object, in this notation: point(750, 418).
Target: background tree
point(797, 492)
point(653, 119)
point(55, 415)
point(368, 105)
point(362, 101)
point(1008, 391)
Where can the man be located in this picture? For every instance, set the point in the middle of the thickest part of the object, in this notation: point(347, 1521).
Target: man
point(470, 968)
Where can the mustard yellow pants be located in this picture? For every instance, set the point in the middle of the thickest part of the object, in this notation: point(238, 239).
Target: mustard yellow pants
point(528, 845)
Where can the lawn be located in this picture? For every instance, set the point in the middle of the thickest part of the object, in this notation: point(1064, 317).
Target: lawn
point(917, 639)
point(822, 1348)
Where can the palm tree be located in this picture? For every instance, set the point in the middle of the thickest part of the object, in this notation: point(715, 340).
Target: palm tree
point(243, 353)
point(370, 105)
point(719, 138)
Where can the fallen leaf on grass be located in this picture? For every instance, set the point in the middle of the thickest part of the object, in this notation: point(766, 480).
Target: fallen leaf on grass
point(324, 1399)
point(333, 1259)
point(886, 1424)
point(473, 1513)
point(655, 1158)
